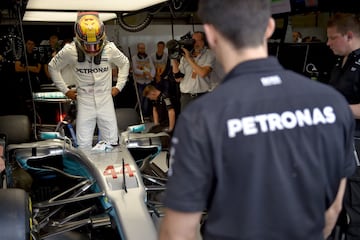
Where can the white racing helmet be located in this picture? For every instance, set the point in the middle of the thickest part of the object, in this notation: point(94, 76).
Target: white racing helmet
point(90, 32)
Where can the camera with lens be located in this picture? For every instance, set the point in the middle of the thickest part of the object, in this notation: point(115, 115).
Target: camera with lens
point(175, 46)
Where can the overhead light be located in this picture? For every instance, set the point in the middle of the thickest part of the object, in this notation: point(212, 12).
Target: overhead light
point(48, 16)
point(92, 5)
point(280, 6)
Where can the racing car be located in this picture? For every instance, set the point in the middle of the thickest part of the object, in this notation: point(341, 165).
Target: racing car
point(52, 190)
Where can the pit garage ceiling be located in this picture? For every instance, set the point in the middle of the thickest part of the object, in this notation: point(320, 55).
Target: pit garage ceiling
point(37, 11)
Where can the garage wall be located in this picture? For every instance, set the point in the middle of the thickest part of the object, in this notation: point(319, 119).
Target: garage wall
point(150, 36)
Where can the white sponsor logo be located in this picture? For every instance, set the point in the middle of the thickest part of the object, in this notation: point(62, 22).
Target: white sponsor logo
point(174, 141)
point(269, 81)
point(270, 122)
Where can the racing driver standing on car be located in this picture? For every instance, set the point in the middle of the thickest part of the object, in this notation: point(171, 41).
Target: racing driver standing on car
point(91, 58)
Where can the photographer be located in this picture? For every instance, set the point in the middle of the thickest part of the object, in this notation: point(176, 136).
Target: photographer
point(193, 71)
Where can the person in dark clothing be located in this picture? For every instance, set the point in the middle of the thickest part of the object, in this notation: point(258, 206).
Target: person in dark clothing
point(163, 109)
point(52, 50)
point(27, 70)
point(266, 154)
point(343, 31)
point(31, 64)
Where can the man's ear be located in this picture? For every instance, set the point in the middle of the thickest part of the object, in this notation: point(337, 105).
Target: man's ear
point(349, 35)
point(270, 28)
point(210, 35)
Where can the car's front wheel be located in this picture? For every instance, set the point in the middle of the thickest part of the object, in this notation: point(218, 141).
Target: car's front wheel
point(15, 214)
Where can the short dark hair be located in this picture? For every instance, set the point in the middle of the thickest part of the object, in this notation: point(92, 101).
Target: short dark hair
point(345, 22)
point(243, 22)
point(161, 42)
point(29, 39)
point(298, 33)
point(203, 37)
point(54, 36)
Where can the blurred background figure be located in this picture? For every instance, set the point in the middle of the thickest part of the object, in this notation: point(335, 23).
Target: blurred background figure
point(144, 73)
point(27, 70)
point(54, 47)
point(296, 36)
point(162, 68)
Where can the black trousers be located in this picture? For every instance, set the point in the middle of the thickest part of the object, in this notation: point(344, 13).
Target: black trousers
point(186, 98)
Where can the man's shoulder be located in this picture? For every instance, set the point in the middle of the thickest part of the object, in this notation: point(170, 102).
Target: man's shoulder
point(68, 48)
point(209, 56)
point(110, 45)
point(356, 53)
point(210, 52)
point(67, 53)
point(69, 45)
point(313, 88)
point(135, 58)
point(315, 92)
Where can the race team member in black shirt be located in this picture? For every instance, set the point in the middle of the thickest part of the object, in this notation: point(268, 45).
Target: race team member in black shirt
point(29, 64)
point(163, 110)
point(343, 31)
point(267, 153)
point(27, 69)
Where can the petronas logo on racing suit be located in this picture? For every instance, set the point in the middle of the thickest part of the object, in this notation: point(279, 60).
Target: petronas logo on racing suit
point(92, 70)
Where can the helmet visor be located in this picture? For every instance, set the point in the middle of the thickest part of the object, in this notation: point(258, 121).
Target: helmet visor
point(92, 48)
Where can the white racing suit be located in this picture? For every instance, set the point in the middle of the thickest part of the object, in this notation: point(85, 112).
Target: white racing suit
point(94, 82)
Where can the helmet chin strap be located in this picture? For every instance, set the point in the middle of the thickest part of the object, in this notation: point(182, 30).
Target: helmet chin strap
point(81, 55)
point(97, 58)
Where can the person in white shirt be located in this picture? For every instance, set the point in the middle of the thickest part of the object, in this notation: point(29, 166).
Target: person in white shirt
point(193, 71)
point(144, 73)
point(91, 58)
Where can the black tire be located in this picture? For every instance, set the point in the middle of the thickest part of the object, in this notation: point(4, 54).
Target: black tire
point(17, 128)
point(15, 214)
point(136, 27)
